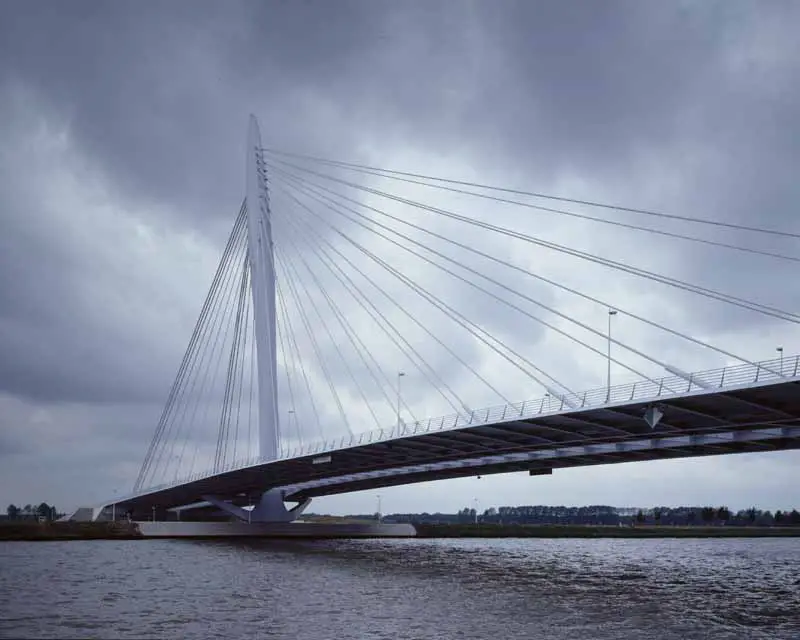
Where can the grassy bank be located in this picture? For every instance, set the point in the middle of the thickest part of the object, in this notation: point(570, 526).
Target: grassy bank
point(596, 531)
point(68, 531)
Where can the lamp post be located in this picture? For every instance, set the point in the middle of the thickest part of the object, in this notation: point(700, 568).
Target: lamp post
point(611, 312)
point(380, 516)
point(780, 351)
point(400, 375)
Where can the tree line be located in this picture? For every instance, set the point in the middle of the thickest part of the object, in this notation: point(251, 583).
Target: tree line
point(30, 512)
point(721, 515)
point(607, 515)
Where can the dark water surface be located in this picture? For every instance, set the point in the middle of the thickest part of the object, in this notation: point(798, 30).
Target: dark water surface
point(498, 589)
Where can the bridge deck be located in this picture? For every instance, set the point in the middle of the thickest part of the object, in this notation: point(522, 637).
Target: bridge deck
point(763, 416)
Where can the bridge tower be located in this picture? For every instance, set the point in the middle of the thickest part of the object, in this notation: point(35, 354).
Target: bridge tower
point(261, 259)
point(262, 281)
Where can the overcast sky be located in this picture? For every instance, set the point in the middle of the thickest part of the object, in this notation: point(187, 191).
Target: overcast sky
point(122, 168)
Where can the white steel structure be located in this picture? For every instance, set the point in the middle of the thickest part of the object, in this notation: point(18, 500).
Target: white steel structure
point(262, 282)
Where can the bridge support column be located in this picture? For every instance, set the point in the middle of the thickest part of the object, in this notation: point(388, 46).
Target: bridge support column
point(270, 508)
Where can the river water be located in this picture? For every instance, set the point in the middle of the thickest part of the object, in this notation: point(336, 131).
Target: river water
point(495, 589)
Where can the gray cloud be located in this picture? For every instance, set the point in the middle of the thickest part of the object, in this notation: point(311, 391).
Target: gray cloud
point(122, 170)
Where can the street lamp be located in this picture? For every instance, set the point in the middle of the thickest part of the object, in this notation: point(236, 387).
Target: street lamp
point(380, 516)
point(611, 312)
point(780, 351)
point(400, 375)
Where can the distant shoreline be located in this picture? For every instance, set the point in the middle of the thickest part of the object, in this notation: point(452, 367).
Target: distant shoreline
point(598, 531)
point(63, 531)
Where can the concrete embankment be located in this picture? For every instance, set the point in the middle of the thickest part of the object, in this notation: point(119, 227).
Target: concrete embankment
point(34, 531)
point(69, 531)
point(298, 529)
point(590, 531)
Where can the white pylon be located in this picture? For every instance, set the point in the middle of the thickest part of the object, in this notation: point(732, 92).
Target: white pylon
point(262, 283)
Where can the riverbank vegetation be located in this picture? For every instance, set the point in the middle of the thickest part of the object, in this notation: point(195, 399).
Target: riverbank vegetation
point(34, 530)
point(427, 530)
point(606, 515)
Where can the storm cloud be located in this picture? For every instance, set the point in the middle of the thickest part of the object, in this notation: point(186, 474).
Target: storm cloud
point(122, 169)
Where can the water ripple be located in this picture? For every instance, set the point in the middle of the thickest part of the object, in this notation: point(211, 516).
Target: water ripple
point(554, 589)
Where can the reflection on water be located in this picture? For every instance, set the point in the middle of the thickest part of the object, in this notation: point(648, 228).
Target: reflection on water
point(576, 589)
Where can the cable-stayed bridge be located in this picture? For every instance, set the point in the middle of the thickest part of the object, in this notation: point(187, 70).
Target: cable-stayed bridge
point(348, 295)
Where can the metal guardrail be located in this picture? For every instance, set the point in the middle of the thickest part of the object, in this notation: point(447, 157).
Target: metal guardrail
point(642, 391)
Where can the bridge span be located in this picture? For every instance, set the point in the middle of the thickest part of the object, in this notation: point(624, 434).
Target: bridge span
point(733, 410)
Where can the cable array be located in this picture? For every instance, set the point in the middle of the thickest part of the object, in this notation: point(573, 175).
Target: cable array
point(391, 309)
point(438, 182)
point(200, 404)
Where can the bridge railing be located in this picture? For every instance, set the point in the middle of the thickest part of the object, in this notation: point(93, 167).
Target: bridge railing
point(640, 391)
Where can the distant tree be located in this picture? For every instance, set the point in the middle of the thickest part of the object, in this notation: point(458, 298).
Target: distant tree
point(778, 516)
point(691, 516)
point(27, 510)
point(707, 514)
point(44, 511)
point(723, 514)
point(12, 511)
point(657, 515)
point(794, 517)
point(752, 514)
point(640, 516)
